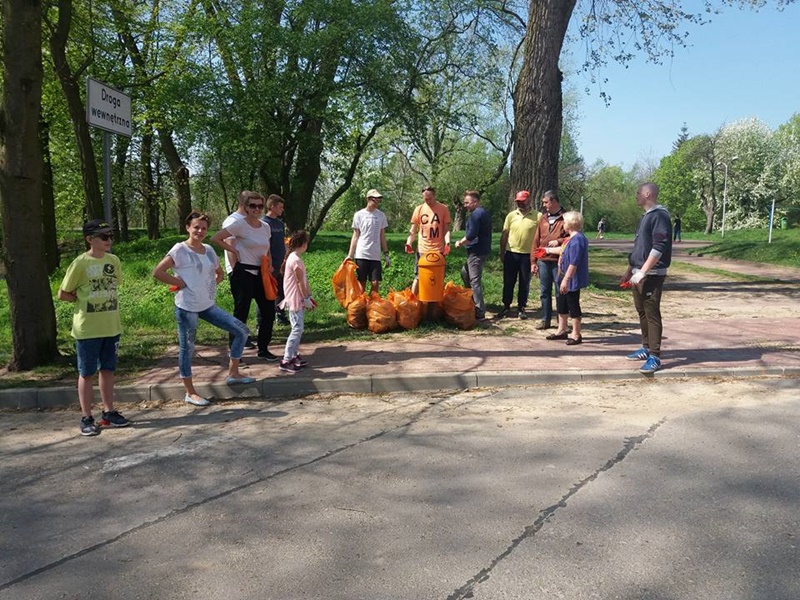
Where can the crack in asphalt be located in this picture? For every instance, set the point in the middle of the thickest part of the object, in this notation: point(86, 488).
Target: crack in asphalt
point(429, 404)
point(631, 443)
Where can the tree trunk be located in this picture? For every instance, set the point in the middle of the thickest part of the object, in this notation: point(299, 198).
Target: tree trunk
point(180, 175)
point(708, 209)
point(119, 187)
point(180, 172)
point(149, 187)
point(77, 112)
point(52, 258)
point(33, 323)
point(459, 214)
point(538, 100)
point(308, 167)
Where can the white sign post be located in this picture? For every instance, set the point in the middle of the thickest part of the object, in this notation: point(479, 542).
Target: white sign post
point(110, 110)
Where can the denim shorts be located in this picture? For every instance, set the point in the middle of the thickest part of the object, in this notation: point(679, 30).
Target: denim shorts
point(97, 353)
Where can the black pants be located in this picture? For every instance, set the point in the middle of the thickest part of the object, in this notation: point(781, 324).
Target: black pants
point(246, 287)
point(516, 267)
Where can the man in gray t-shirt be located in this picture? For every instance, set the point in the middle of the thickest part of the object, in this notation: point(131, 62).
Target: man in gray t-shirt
point(369, 240)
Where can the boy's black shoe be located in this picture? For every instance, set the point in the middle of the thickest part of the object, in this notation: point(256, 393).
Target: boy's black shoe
point(267, 355)
point(88, 427)
point(114, 419)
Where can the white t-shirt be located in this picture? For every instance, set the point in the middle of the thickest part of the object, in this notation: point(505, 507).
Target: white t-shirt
point(251, 242)
point(369, 224)
point(198, 272)
point(231, 218)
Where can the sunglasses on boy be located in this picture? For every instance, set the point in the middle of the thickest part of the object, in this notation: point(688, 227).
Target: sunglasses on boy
point(256, 206)
point(104, 236)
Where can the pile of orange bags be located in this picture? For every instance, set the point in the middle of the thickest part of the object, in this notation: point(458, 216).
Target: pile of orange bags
point(459, 309)
point(398, 308)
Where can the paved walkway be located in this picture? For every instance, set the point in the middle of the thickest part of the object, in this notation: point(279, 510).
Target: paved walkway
point(488, 356)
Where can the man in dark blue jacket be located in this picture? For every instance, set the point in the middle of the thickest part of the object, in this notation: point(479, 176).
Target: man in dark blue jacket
point(647, 270)
point(478, 240)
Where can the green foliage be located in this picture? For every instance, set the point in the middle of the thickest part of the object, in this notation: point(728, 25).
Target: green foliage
point(678, 189)
point(753, 245)
point(611, 192)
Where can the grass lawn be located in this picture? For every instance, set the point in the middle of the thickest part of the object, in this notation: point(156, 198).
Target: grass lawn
point(147, 305)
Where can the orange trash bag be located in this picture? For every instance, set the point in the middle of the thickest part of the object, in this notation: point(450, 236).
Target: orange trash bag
point(408, 307)
point(459, 309)
point(357, 312)
point(381, 314)
point(345, 283)
point(268, 279)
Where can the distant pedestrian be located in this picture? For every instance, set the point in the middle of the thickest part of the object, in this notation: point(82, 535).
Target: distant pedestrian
point(91, 282)
point(478, 241)
point(297, 300)
point(573, 274)
point(516, 241)
point(676, 229)
point(647, 270)
point(196, 272)
point(369, 241)
point(602, 226)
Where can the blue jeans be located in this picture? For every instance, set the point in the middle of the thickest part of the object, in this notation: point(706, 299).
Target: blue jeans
point(94, 353)
point(548, 272)
point(297, 321)
point(187, 334)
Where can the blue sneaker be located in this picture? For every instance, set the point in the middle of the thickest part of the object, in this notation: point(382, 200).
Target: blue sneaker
point(640, 354)
point(651, 365)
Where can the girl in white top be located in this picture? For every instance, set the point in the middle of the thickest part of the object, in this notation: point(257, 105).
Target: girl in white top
point(195, 274)
point(250, 241)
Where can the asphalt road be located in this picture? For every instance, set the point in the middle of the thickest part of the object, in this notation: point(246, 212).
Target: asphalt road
point(635, 489)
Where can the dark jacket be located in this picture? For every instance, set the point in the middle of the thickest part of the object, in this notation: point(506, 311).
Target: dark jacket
point(479, 232)
point(654, 232)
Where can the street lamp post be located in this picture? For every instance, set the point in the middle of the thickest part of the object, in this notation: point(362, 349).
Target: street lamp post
point(725, 193)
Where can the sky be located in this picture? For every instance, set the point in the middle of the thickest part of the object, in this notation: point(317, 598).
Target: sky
point(742, 64)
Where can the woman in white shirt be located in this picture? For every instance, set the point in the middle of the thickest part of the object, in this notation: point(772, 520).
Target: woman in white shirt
point(247, 240)
point(195, 274)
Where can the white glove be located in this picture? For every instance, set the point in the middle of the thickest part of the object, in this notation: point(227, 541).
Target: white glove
point(386, 260)
point(308, 303)
point(637, 277)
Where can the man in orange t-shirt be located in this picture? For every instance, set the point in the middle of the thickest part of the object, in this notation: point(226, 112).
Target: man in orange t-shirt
point(432, 220)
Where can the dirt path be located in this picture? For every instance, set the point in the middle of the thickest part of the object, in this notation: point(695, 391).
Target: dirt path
point(690, 293)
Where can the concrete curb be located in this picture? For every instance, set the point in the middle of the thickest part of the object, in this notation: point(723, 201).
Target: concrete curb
point(283, 387)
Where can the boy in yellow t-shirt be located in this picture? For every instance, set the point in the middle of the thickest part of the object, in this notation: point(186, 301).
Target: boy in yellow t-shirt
point(91, 282)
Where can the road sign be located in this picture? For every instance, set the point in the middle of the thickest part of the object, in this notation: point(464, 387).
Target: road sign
point(107, 108)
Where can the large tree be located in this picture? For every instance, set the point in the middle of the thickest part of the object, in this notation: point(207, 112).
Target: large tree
point(612, 30)
point(33, 326)
point(71, 79)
